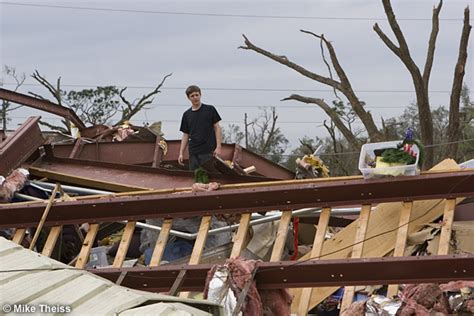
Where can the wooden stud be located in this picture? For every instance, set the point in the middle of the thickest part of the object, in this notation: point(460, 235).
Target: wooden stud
point(315, 253)
point(76, 150)
point(401, 241)
point(199, 245)
point(43, 217)
point(19, 235)
point(386, 218)
point(51, 241)
point(87, 246)
point(362, 224)
point(158, 153)
point(161, 243)
point(124, 244)
point(241, 236)
point(178, 282)
point(448, 217)
point(280, 239)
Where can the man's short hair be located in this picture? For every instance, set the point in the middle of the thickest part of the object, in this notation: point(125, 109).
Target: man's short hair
point(192, 89)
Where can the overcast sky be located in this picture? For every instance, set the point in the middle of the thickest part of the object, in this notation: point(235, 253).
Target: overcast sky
point(89, 48)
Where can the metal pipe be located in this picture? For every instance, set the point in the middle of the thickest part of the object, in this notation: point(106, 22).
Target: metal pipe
point(70, 188)
point(192, 236)
point(27, 197)
point(259, 221)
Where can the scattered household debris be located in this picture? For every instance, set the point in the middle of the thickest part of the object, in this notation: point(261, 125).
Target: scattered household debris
point(454, 298)
point(392, 158)
point(311, 166)
point(233, 286)
point(136, 160)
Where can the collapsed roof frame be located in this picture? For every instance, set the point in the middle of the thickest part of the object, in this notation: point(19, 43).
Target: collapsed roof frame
point(312, 273)
point(43, 105)
point(242, 198)
point(16, 148)
point(142, 153)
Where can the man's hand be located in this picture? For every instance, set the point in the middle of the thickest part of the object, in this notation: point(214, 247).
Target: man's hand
point(181, 160)
point(218, 151)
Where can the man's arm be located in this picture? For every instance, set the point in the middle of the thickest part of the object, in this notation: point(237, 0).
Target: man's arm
point(218, 132)
point(182, 148)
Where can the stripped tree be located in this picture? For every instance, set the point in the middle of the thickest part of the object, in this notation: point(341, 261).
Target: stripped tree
point(134, 107)
point(454, 128)
point(6, 105)
point(343, 85)
point(94, 106)
point(420, 81)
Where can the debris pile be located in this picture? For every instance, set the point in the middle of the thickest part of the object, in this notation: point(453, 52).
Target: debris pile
point(454, 298)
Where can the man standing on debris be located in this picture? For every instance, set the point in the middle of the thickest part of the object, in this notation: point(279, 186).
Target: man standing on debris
point(201, 131)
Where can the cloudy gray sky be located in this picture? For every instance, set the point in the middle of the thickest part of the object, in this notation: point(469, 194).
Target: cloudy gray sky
point(136, 43)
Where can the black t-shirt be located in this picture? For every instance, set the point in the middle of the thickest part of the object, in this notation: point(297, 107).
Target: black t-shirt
point(200, 127)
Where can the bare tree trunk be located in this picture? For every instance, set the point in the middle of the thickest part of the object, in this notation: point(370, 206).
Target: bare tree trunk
point(271, 131)
point(454, 128)
point(343, 86)
point(420, 81)
point(57, 94)
point(332, 114)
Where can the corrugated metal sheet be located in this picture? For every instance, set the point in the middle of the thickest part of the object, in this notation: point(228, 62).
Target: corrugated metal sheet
point(27, 277)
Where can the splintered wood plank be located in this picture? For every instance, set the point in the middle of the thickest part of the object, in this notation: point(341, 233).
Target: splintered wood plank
point(357, 251)
point(44, 216)
point(124, 244)
point(446, 229)
point(241, 235)
point(401, 242)
point(158, 153)
point(87, 246)
point(280, 239)
point(51, 241)
point(315, 253)
point(161, 242)
point(199, 245)
point(19, 235)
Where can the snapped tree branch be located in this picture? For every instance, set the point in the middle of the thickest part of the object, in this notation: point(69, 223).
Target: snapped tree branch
point(136, 106)
point(332, 114)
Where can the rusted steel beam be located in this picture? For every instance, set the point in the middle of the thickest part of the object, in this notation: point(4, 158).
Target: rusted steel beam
point(16, 148)
point(245, 158)
point(129, 153)
point(120, 177)
point(245, 198)
point(314, 273)
point(44, 105)
point(142, 153)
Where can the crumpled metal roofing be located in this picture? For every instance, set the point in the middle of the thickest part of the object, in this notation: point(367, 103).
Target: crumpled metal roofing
point(27, 277)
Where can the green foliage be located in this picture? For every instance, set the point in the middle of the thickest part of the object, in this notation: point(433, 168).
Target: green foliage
point(94, 106)
point(395, 155)
point(200, 176)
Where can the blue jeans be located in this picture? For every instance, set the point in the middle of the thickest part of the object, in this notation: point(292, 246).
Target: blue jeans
point(196, 161)
point(174, 250)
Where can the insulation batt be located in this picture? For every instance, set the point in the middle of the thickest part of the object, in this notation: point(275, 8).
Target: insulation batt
point(258, 303)
point(355, 309)
point(202, 187)
point(13, 183)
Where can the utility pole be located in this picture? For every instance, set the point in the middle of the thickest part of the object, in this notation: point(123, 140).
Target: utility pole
point(246, 131)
